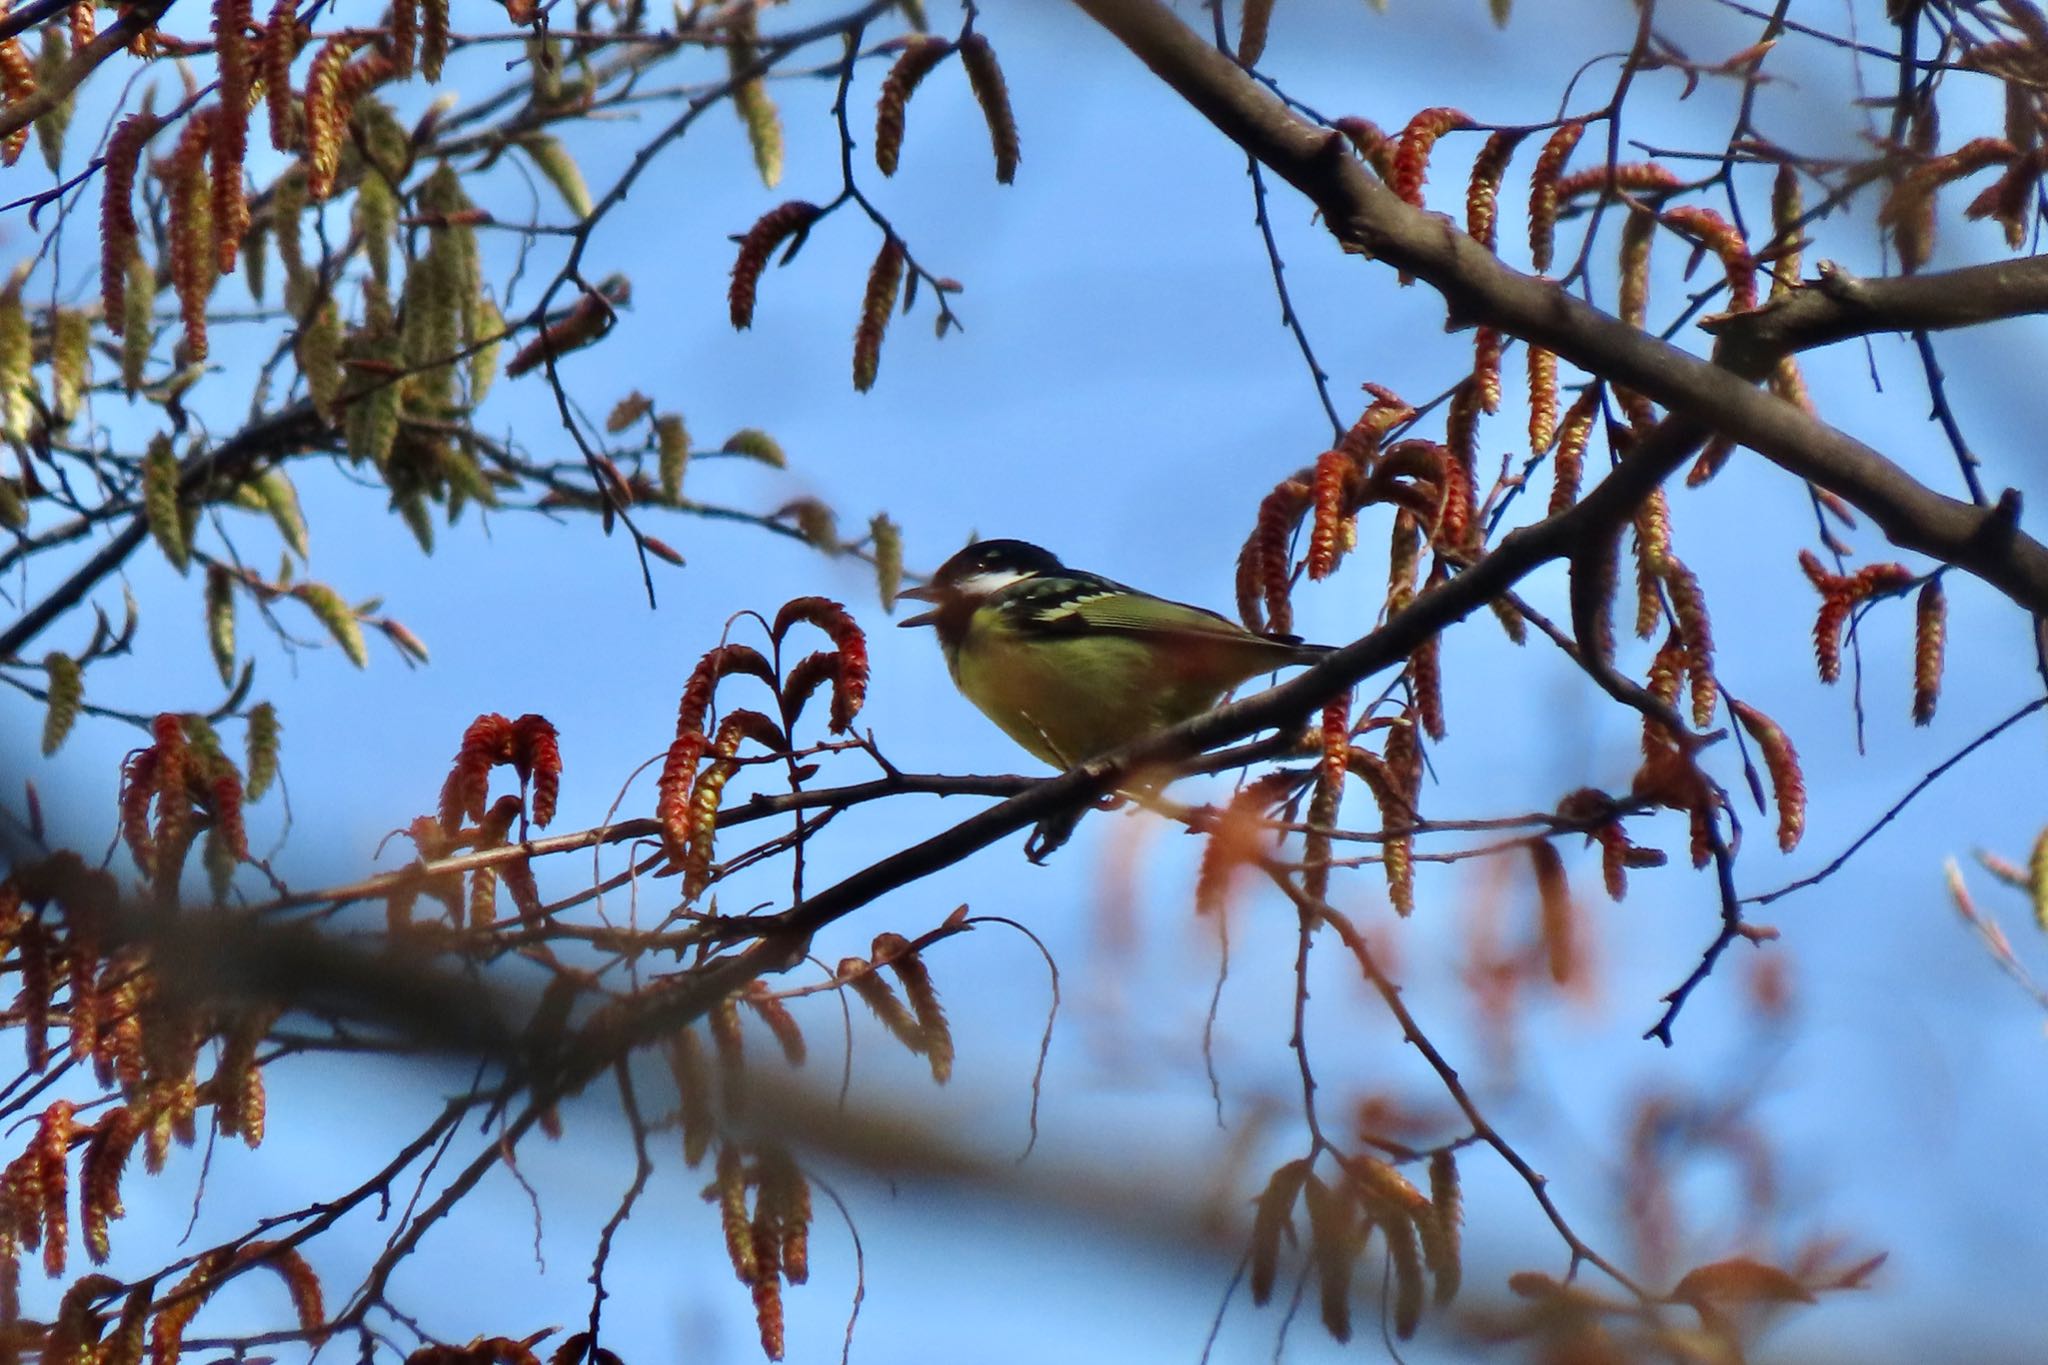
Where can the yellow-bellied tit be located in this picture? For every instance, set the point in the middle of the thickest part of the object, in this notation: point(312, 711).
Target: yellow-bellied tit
point(1072, 665)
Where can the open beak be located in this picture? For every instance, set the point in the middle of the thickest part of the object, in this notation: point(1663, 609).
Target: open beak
point(927, 593)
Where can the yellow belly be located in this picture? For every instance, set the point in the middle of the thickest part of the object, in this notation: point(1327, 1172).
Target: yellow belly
point(1067, 701)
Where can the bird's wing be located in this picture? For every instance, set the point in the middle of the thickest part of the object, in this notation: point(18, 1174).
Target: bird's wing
point(1084, 602)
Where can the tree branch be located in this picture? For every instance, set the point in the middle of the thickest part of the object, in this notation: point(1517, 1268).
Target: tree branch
point(1841, 305)
point(276, 434)
point(83, 63)
point(1479, 288)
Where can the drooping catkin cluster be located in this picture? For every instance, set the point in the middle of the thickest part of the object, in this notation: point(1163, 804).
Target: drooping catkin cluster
point(850, 680)
point(118, 229)
point(1909, 211)
point(1781, 761)
point(1332, 527)
point(326, 115)
point(1543, 192)
point(750, 96)
point(1574, 433)
point(1839, 596)
point(1482, 191)
point(782, 223)
point(1364, 1195)
point(1417, 140)
point(433, 37)
point(56, 914)
point(191, 786)
point(769, 1243)
point(885, 540)
point(1696, 633)
point(213, 1269)
point(1557, 919)
point(195, 262)
point(280, 50)
point(529, 746)
point(65, 683)
point(17, 357)
point(17, 85)
point(336, 617)
point(589, 319)
point(885, 280)
point(687, 802)
point(1593, 810)
point(1254, 23)
point(1930, 640)
point(920, 56)
point(708, 790)
point(1326, 796)
point(992, 93)
point(1716, 234)
point(236, 60)
point(1240, 834)
point(1264, 577)
point(920, 1024)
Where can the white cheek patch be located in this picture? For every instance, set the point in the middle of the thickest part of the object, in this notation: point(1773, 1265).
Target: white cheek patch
point(990, 581)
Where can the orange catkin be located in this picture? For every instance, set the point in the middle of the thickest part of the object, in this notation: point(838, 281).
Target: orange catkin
point(1482, 192)
point(433, 38)
point(536, 754)
point(1638, 177)
point(1543, 192)
point(485, 744)
point(1930, 635)
point(1418, 139)
point(1781, 760)
point(916, 61)
point(237, 63)
point(1251, 34)
point(769, 231)
point(1724, 239)
point(1542, 399)
point(17, 83)
point(1555, 897)
point(1265, 564)
point(850, 681)
point(118, 228)
point(1487, 343)
point(1425, 676)
point(325, 115)
point(1327, 536)
point(1568, 467)
point(280, 49)
point(992, 92)
point(878, 303)
point(191, 237)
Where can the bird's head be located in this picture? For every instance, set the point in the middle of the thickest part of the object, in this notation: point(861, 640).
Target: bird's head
point(976, 574)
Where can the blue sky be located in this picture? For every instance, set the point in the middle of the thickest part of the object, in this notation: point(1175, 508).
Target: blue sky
point(1123, 393)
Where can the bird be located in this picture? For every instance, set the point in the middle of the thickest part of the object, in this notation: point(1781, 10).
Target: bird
point(1071, 664)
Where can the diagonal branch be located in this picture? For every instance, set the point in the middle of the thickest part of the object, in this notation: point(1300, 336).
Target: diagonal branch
point(1479, 288)
point(51, 93)
point(282, 432)
point(1841, 305)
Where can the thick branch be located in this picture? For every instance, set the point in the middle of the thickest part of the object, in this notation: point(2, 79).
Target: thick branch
point(1478, 287)
point(83, 63)
point(1841, 305)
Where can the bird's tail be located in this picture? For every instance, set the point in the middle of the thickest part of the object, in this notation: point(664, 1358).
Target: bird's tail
point(1302, 653)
